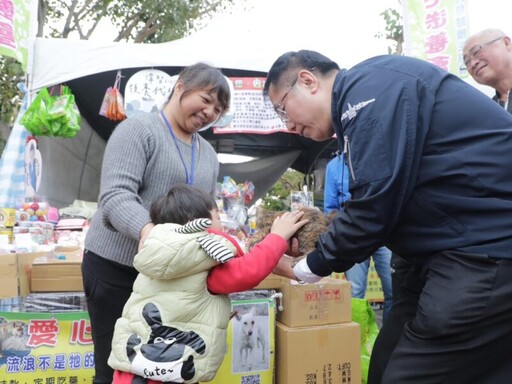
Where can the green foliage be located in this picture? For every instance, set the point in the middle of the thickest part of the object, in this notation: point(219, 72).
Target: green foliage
point(148, 21)
point(11, 74)
point(278, 197)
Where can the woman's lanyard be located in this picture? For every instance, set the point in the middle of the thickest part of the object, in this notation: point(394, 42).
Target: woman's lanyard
point(190, 177)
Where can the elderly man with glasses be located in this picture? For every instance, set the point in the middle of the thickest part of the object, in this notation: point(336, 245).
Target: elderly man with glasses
point(488, 58)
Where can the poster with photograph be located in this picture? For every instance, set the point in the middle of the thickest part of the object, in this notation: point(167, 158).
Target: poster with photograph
point(250, 349)
point(46, 348)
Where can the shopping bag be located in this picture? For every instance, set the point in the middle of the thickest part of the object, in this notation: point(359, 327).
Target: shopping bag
point(112, 106)
point(52, 115)
point(363, 313)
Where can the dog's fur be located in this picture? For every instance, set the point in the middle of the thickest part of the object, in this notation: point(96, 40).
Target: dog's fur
point(307, 236)
point(251, 338)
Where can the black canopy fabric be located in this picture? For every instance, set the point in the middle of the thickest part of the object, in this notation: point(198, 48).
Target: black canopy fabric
point(89, 92)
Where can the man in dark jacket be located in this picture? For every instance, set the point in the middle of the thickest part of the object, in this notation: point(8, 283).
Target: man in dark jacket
point(430, 162)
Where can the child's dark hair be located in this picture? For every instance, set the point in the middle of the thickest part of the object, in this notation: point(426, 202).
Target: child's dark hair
point(183, 203)
point(204, 76)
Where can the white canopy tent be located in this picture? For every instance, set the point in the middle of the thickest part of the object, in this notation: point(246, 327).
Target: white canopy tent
point(247, 40)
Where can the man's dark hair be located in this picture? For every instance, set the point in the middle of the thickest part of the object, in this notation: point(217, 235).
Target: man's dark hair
point(183, 203)
point(292, 62)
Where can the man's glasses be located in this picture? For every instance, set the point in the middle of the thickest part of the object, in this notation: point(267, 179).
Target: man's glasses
point(477, 50)
point(279, 108)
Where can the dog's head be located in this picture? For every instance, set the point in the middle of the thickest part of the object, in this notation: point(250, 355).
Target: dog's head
point(247, 321)
point(306, 236)
point(19, 328)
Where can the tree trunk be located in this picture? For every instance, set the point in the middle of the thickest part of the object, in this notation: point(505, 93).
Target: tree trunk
point(5, 131)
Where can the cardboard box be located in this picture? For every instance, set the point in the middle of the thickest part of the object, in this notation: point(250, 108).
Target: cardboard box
point(57, 284)
point(57, 273)
point(271, 282)
point(318, 355)
point(8, 276)
point(16, 269)
point(325, 302)
point(25, 269)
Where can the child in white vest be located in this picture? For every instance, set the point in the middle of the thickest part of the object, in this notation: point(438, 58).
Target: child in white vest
point(173, 327)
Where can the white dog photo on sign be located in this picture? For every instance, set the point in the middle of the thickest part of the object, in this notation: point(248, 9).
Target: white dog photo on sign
point(250, 338)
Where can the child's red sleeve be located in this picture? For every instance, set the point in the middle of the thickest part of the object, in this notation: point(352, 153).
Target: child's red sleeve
point(246, 271)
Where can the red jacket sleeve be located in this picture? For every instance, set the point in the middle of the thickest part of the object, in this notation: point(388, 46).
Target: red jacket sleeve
point(246, 271)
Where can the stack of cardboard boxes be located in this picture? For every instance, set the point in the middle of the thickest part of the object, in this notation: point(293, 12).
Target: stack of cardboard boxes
point(59, 271)
point(15, 271)
point(316, 340)
point(53, 271)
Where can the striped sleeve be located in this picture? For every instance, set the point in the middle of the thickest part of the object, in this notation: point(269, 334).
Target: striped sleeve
point(215, 249)
point(193, 226)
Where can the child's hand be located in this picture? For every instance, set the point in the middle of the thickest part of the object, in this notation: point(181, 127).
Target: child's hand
point(287, 224)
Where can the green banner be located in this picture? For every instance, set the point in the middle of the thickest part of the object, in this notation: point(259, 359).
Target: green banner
point(46, 348)
point(435, 31)
point(15, 29)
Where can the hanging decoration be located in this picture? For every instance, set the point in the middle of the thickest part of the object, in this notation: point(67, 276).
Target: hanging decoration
point(112, 106)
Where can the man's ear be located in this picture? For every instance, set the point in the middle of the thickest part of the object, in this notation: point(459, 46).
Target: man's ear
point(309, 80)
point(508, 43)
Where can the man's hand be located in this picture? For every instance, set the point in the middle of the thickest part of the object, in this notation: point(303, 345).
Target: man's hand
point(285, 267)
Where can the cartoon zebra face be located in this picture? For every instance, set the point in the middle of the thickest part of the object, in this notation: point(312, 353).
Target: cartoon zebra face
point(162, 357)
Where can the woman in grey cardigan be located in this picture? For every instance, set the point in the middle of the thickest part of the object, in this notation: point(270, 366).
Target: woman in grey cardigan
point(144, 157)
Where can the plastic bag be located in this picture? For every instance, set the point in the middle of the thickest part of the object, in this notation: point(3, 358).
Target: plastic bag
point(35, 117)
point(363, 314)
point(112, 106)
point(52, 115)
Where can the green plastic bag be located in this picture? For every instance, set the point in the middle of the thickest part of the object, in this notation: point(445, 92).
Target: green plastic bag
point(34, 118)
point(363, 314)
point(52, 115)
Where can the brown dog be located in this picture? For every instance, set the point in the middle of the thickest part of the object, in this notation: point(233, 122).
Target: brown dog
point(306, 237)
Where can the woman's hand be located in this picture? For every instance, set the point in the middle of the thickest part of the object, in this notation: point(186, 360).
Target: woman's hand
point(144, 232)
